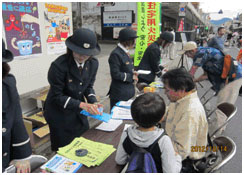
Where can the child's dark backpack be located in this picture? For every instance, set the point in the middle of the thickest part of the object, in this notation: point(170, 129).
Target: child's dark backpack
point(143, 160)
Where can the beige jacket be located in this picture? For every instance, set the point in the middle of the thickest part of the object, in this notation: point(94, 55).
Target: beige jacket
point(187, 126)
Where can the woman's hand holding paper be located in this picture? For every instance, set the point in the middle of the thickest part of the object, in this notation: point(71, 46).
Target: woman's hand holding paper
point(91, 108)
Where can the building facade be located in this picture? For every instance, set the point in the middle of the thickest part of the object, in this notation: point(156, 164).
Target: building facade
point(101, 18)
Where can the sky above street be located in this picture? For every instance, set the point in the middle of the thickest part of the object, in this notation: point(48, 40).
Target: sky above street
point(230, 8)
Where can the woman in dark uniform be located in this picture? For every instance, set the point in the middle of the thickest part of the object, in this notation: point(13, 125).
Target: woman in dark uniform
point(151, 58)
point(71, 78)
point(122, 69)
point(16, 142)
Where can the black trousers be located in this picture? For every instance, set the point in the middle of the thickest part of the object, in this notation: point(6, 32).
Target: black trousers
point(61, 136)
point(113, 102)
point(140, 80)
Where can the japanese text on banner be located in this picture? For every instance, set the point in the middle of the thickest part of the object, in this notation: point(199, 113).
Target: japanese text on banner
point(148, 27)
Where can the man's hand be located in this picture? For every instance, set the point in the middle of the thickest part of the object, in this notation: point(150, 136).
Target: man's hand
point(193, 70)
point(164, 71)
point(204, 76)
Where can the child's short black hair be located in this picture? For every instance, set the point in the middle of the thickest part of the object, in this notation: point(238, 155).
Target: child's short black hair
point(148, 109)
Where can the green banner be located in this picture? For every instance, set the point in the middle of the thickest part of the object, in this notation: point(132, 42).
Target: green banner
point(148, 27)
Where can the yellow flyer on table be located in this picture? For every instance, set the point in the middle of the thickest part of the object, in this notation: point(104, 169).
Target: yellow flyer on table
point(97, 152)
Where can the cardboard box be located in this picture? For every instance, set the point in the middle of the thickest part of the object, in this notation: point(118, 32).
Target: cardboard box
point(37, 118)
point(28, 126)
point(41, 97)
point(39, 137)
point(43, 131)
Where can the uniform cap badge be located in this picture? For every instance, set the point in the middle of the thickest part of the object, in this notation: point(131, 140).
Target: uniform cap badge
point(86, 45)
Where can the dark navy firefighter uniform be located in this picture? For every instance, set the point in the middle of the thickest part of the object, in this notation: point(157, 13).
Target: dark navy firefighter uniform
point(68, 88)
point(15, 140)
point(121, 70)
point(150, 61)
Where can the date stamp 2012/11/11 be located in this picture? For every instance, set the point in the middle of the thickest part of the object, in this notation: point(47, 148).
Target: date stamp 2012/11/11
point(206, 148)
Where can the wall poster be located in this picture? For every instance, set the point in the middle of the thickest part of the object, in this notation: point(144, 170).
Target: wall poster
point(22, 30)
point(57, 27)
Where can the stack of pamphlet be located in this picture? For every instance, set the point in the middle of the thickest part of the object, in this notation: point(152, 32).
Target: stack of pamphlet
point(60, 164)
point(97, 152)
point(121, 113)
point(122, 110)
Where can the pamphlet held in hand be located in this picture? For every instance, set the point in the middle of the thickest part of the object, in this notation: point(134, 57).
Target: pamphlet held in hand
point(144, 72)
point(104, 117)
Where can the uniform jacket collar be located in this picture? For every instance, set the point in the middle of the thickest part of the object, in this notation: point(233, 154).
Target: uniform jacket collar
point(122, 51)
point(78, 64)
point(74, 70)
point(123, 48)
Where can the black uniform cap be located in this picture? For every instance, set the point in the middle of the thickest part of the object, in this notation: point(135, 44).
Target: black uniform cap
point(127, 34)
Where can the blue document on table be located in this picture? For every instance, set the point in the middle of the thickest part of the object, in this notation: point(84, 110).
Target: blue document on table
point(124, 104)
point(104, 117)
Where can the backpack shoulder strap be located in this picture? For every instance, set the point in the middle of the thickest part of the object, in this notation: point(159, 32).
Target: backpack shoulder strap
point(156, 141)
point(128, 145)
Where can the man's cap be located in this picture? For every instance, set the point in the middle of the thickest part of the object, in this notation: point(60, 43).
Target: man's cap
point(191, 45)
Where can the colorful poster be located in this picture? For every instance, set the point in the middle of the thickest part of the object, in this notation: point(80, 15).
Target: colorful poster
point(22, 30)
point(148, 27)
point(57, 27)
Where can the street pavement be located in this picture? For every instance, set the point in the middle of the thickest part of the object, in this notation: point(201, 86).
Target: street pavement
point(233, 129)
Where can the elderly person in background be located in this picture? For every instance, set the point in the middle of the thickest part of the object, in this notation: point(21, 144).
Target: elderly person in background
point(212, 62)
point(185, 119)
point(217, 42)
